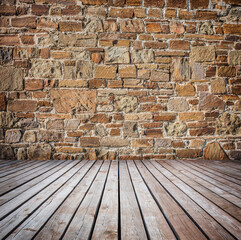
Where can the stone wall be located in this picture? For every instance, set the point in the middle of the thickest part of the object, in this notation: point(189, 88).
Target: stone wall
point(120, 79)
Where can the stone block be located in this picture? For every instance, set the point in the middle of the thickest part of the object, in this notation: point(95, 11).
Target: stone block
point(117, 55)
point(22, 105)
point(41, 151)
point(203, 54)
point(105, 72)
point(213, 151)
point(218, 86)
point(142, 143)
point(178, 129)
point(142, 56)
point(180, 69)
point(178, 104)
point(114, 142)
point(12, 136)
point(132, 26)
point(185, 90)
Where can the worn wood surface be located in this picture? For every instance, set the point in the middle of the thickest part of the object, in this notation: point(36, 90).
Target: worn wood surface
point(120, 200)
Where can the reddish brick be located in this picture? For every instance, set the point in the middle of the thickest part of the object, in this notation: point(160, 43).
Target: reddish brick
point(153, 3)
point(189, 153)
point(2, 101)
point(94, 2)
point(71, 10)
point(202, 132)
point(9, 40)
point(206, 15)
point(232, 28)
point(133, 2)
point(234, 2)
point(100, 118)
point(236, 89)
point(153, 133)
point(7, 10)
point(226, 71)
point(28, 39)
point(28, 22)
point(70, 26)
point(34, 84)
point(186, 15)
point(155, 45)
point(199, 4)
point(97, 83)
point(21, 11)
point(22, 106)
point(179, 45)
point(121, 12)
point(44, 53)
point(4, 22)
point(153, 27)
point(114, 132)
point(170, 13)
point(117, 3)
point(177, 3)
point(39, 9)
point(178, 144)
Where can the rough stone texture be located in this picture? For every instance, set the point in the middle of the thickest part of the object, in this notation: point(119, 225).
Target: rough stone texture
point(203, 54)
point(228, 124)
point(22, 154)
point(185, 90)
point(163, 143)
point(41, 151)
point(180, 69)
point(206, 28)
point(213, 151)
point(6, 152)
point(234, 58)
point(127, 104)
point(117, 55)
point(100, 130)
point(29, 136)
point(197, 71)
point(176, 129)
point(114, 142)
point(135, 26)
point(108, 72)
point(142, 56)
point(94, 25)
point(218, 86)
point(7, 120)
point(130, 129)
point(210, 102)
point(234, 15)
point(11, 79)
point(68, 101)
point(12, 136)
point(160, 76)
point(178, 105)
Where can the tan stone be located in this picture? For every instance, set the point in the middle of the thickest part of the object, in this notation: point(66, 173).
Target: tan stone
point(84, 70)
point(41, 151)
point(69, 101)
point(29, 136)
point(203, 54)
point(178, 104)
point(106, 72)
point(196, 143)
point(226, 71)
point(94, 25)
point(22, 106)
point(130, 129)
point(12, 136)
point(100, 118)
point(160, 76)
point(11, 79)
point(127, 104)
point(185, 90)
point(234, 58)
point(176, 129)
point(127, 71)
point(191, 116)
point(89, 142)
point(70, 26)
point(180, 69)
point(142, 56)
point(210, 102)
point(142, 143)
point(218, 86)
point(135, 26)
point(213, 151)
point(73, 83)
point(77, 40)
point(114, 142)
point(117, 55)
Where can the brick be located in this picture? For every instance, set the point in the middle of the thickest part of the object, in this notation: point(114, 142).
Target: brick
point(50, 136)
point(89, 142)
point(70, 27)
point(106, 72)
point(211, 72)
point(139, 12)
point(202, 132)
point(178, 145)
point(27, 22)
point(234, 2)
point(28, 39)
point(153, 27)
point(218, 86)
point(3, 101)
point(177, 3)
point(155, 13)
point(100, 118)
point(191, 116)
point(97, 83)
point(226, 71)
point(189, 153)
point(153, 3)
point(115, 132)
point(7, 10)
point(133, 2)
point(135, 26)
point(164, 117)
point(60, 55)
point(202, 4)
point(71, 10)
point(9, 40)
point(170, 13)
point(153, 133)
point(185, 90)
point(127, 71)
point(96, 11)
point(46, 23)
point(4, 22)
point(39, 9)
point(179, 45)
point(206, 15)
point(116, 43)
point(186, 15)
point(236, 89)
point(121, 12)
point(22, 106)
point(33, 84)
point(155, 45)
point(232, 29)
point(153, 107)
point(117, 3)
point(142, 143)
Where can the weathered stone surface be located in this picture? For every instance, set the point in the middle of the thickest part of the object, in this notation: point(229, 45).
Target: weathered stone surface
point(5, 55)
point(77, 40)
point(130, 129)
point(226, 71)
point(71, 124)
point(41, 151)
point(22, 106)
point(206, 28)
point(7, 120)
point(228, 124)
point(50, 136)
point(1, 134)
point(46, 69)
point(178, 104)
point(27, 124)
point(203, 54)
point(234, 58)
point(127, 104)
point(84, 70)
point(176, 129)
point(163, 143)
point(117, 55)
point(114, 142)
point(180, 69)
point(127, 71)
point(3, 104)
point(6, 152)
point(237, 106)
point(218, 86)
point(89, 142)
point(29, 136)
point(234, 15)
point(135, 26)
point(213, 151)
point(69, 101)
point(189, 153)
point(11, 79)
point(22, 154)
point(100, 118)
point(100, 130)
point(235, 155)
point(197, 71)
point(141, 143)
point(185, 90)
point(142, 56)
point(94, 25)
point(210, 102)
point(106, 72)
point(55, 124)
point(12, 136)
point(160, 76)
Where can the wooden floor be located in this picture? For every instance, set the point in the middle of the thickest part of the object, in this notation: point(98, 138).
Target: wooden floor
point(120, 200)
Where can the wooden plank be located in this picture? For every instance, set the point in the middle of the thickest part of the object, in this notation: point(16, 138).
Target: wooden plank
point(17, 191)
point(184, 227)
point(106, 226)
point(12, 183)
point(10, 164)
point(156, 223)
point(206, 187)
point(132, 226)
point(33, 224)
point(9, 206)
point(12, 220)
point(229, 174)
point(83, 220)
point(227, 221)
point(217, 181)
